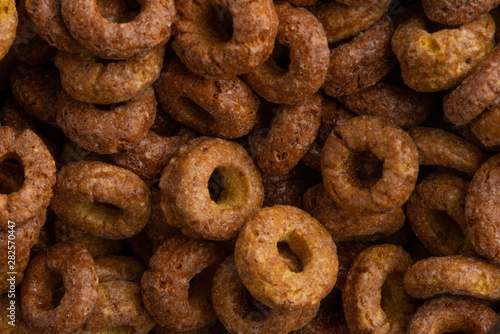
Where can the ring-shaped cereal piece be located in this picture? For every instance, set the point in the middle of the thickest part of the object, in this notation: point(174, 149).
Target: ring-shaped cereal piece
point(165, 285)
point(303, 35)
point(106, 131)
point(186, 201)
point(453, 274)
point(209, 54)
point(447, 314)
point(226, 108)
point(87, 80)
point(264, 272)
point(112, 40)
point(79, 277)
point(389, 144)
point(39, 176)
point(101, 199)
point(293, 131)
point(454, 12)
point(8, 26)
point(362, 61)
point(374, 299)
point(441, 60)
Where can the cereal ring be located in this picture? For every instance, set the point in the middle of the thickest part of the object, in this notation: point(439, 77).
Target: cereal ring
point(303, 35)
point(101, 199)
point(111, 40)
point(106, 131)
point(438, 147)
point(8, 25)
point(436, 213)
point(361, 62)
point(346, 226)
point(389, 144)
point(214, 55)
point(341, 20)
point(39, 176)
point(454, 12)
point(84, 78)
point(267, 276)
point(454, 274)
point(76, 267)
point(293, 130)
point(226, 108)
point(186, 202)
point(119, 268)
point(165, 286)
point(403, 106)
point(448, 314)
point(437, 61)
point(374, 299)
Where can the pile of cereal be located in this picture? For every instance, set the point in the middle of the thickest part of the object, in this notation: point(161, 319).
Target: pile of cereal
point(249, 166)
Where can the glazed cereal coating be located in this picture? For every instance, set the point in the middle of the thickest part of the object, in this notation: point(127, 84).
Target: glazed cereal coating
point(450, 314)
point(441, 60)
point(186, 201)
point(87, 80)
point(101, 199)
point(106, 131)
point(209, 53)
point(361, 62)
point(304, 36)
point(8, 25)
point(453, 274)
point(267, 276)
point(454, 12)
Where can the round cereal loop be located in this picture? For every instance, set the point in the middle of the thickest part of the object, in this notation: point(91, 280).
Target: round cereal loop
point(448, 314)
point(114, 40)
point(389, 144)
point(441, 60)
point(71, 265)
point(436, 213)
point(86, 79)
point(39, 176)
point(106, 131)
point(453, 12)
point(101, 199)
point(216, 54)
point(264, 272)
point(173, 270)
point(186, 201)
point(226, 108)
point(293, 130)
point(119, 268)
point(303, 35)
point(361, 62)
point(453, 274)
point(8, 25)
point(374, 299)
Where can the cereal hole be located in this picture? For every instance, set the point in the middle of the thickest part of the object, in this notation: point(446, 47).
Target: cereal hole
point(222, 22)
point(200, 287)
point(215, 185)
point(281, 56)
point(395, 302)
point(11, 176)
point(233, 187)
point(289, 257)
point(103, 213)
point(368, 168)
point(56, 287)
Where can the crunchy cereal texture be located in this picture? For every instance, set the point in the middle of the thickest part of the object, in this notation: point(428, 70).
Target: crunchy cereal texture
point(8, 25)
point(453, 12)
point(485, 127)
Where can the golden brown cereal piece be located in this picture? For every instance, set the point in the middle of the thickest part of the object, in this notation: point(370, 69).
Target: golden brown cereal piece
point(403, 106)
point(293, 130)
point(101, 199)
point(441, 60)
point(374, 299)
point(186, 201)
point(303, 35)
point(119, 268)
point(453, 12)
point(86, 79)
point(8, 25)
point(216, 54)
point(388, 143)
point(179, 265)
point(226, 108)
point(442, 148)
point(264, 272)
point(112, 40)
point(361, 62)
point(71, 265)
point(448, 314)
point(346, 226)
point(454, 274)
point(345, 20)
point(106, 131)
